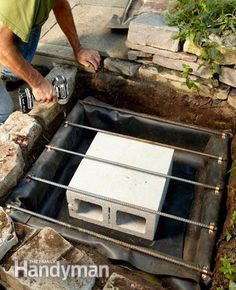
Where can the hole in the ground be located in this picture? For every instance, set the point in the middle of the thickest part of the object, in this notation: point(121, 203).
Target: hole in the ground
point(191, 206)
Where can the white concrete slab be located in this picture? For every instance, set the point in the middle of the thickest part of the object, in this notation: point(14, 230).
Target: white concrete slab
point(91, 24)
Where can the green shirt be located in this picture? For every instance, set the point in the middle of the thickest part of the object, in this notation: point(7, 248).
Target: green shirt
point(20, 16)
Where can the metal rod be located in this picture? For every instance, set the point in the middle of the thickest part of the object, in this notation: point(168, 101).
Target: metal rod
point(67, 123)
point(142, 250)
point(85, 156)
point(90, 194)
point(162, 120)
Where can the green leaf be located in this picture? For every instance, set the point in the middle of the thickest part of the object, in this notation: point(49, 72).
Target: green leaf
point(216, 69)
point(228, 236)
point(232, 285)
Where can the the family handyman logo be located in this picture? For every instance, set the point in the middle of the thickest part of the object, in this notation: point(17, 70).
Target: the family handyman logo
point(58, 269)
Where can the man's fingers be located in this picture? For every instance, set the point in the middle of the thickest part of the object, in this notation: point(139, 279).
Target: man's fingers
point(98, 58)
point(85, 63)
point(94, 63)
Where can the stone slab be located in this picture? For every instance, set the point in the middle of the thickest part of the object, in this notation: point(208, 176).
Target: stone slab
point(221, 93)
point(162, 52)
point(177, 81)
point(91, 24)
point(120, 282)
point(8, 237)
point(21, 129)
point(121, 184)
point(228, 76)
point(11, 166)
point(232, 98)
point(121, 66)
point(139, 55)
point(202, 72)
point(48, 248)
point(48, 245)
point(73, 3)
point(149, 29)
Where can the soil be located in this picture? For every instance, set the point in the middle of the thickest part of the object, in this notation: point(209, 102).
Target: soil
point(157, 99)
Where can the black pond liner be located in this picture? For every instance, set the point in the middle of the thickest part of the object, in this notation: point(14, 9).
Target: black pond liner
point(179, 240)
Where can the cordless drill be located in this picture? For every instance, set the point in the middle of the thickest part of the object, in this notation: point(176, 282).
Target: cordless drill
point(60, 84)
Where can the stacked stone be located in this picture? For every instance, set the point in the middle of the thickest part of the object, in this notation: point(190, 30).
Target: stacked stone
point(154, 46)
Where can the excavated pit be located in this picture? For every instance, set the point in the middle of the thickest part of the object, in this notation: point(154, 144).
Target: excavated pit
point(180, 241)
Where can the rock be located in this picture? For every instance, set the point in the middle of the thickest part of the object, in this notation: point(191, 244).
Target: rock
point(48, 245)
point(191, 47)
point(228, 76)
point(21, 129)
point(120, 282)
point(48, 249)
point(202, 72)
point(229, 55)
point(47, 113)
point(232, 98)
point(8, 237)
point(177, 81)
point(121, 66)
point(162, 52)
point(228, 52)
point(226, 46)
point(149, 29)
point(136, 55)
point(221, 93)
point(11, 166)
point(150, 72)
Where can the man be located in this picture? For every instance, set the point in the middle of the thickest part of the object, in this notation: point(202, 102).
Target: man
point(20, 26)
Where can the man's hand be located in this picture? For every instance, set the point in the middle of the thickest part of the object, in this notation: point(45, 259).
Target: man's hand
point(88, 57)
point(63, 14)
point(44, 92)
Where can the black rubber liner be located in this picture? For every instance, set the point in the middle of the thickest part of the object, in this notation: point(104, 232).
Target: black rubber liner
point(193, 244)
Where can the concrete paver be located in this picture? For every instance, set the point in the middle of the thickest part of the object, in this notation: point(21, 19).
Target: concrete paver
point(91, 18)
point(108, 3)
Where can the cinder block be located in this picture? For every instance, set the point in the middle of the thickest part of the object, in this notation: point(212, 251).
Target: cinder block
point(136, 188)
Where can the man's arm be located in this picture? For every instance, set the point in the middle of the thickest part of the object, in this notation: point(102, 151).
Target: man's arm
point(65, 20)
point(11, 58)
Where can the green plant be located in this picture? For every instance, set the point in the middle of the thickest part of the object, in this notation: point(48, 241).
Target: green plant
point(187, 70)
point(204, 22)
point(231, 231)
point(228, 269)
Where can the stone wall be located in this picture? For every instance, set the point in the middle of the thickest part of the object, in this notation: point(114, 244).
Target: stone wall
point(157, 55)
